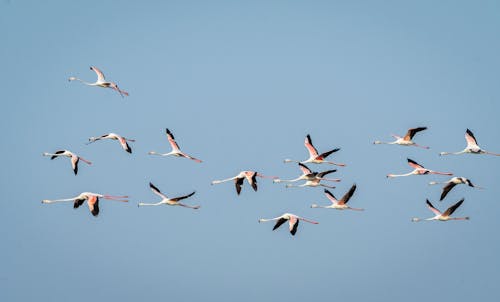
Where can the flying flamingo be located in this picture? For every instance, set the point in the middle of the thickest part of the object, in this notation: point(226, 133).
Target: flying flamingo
point(406, 140)
point(114, 136)
point(293, 221)
point(176, 151)
point(442, 216)
point(450, 184)
point(308, 174)
point(92, 200)
point(250, 176)
point(472, 146)
point(168, 201)
point(339, 204)
point(314, 157)
point(73, 157)
point(101, 82)
point(310, 183)
point(419, 170)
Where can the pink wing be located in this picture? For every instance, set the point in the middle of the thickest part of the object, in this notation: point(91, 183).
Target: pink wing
point(171, 140)
point(308, 143)
point(469, 137)
point(414, 164)
point(124, 144)
point(93, 203)
point(157, 191)
point(330, 196)
point(304, 169)
point(293, 223)
point(100, 75)
point(432, 208)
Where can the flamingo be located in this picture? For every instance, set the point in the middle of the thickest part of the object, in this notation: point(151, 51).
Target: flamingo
point(314, 157)
point(92, 200)
point(339, 204)
point(310, 183)
point(472, 146)
point(308, 174)
point(450, 184)
point(293, 221)
point(73, 157)
point(442, 216)
point(250, 176)
point(176, 151)
point(419, 170)
point(114, 136)
point(101, 82)
point(406, 140)
point(168, 201)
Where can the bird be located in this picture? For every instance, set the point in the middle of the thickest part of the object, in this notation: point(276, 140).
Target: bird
point(250, 176)
point(101, 82)
point(176, 151)
point(168, 201)
point(450, 184)
point(293, 221)
point(419, 170)
point(442, 216)
point(472, 146)
point(73, 157)
point(310, 183)
point(406, 140)
point(91, 198)
point(314, 157)
point(308, 174)
point(339, 204)
point(114, 136)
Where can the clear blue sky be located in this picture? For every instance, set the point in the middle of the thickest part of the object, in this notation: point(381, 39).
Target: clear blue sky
point(240, 84)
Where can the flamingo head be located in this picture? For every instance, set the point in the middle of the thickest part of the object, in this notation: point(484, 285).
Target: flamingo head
point(277, 180)
point(415, 219)
point(314, 205)
point(71, 79)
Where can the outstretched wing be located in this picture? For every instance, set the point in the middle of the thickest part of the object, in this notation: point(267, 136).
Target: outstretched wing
point(411, 132)
point(123, 143)
point(327, 153)
point(279, 223)
point(74, 163)
point(331, 197)
point(469, 137)
point(293, 224)
point(100, 75)
point(183, 197)
point(93, 202)
point(452, 209)
point(78, 202)
point(157, 191)
point(304, 169)
point(348, 195)
point(238, 182)
point(171, 140)
point(57, 152)
point(447, 188)
point(324, 173)
point(308, 143)
point(432, 208)
point(414, 164)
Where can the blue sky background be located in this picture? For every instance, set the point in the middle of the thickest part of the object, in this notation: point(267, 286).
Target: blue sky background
point(240, 84)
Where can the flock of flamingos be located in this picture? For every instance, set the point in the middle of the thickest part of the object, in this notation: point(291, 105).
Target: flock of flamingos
point(310, 178)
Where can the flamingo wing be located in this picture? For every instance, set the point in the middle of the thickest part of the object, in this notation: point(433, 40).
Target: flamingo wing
point(238, 182)
point(78, 202)
point(93, 202)
point(469, 137)
point(308, 143)
point(331, 197)
point(324, 173)
point(327, 153)
point(293, 225)
point(100, 75)
point(57, 152)
point(124, 144)
point(279, 223)
point(183, 197)
point(432, 208)
point(171, 140)
point(348, 195)
point(446, 189)
point(74, 163)
point(452, 209)
point(304, 169)
point(157, 191)
point(411, 132)
point(414, 164)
